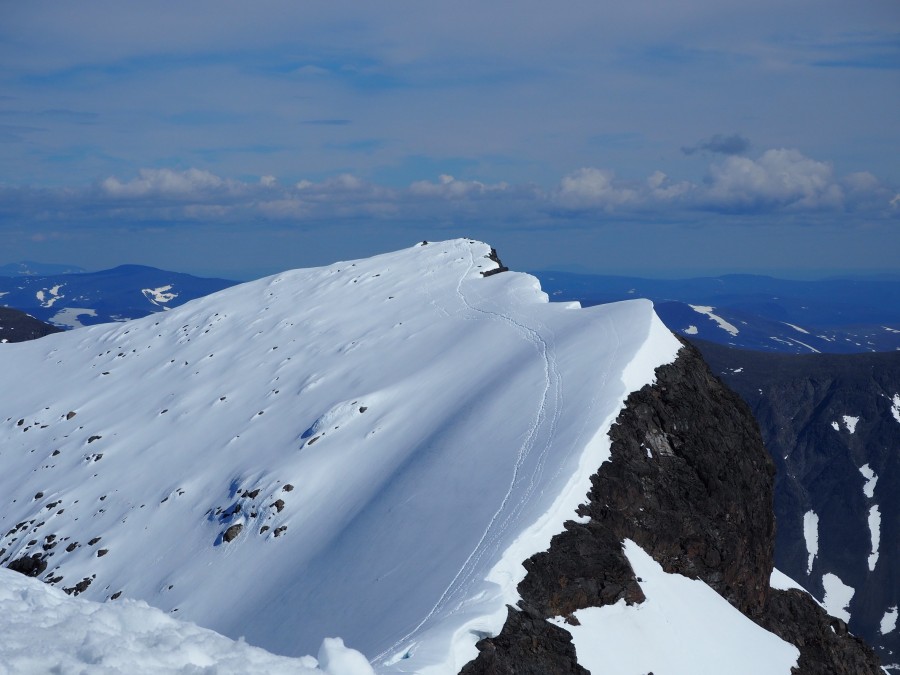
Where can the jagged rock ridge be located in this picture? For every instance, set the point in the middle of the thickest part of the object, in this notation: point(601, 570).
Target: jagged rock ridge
point(690, 481)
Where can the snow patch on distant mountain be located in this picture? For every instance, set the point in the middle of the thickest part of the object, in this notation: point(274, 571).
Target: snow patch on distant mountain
point(682, 628)
point(889, 620)
point(46, 631)
point(837, 596)
point(871, 480)
point(849, 421)
point(875, 534)
point(723, 324)
point(895, 407)
point(68, 317)
point(811, 536)
point(796, 328)
point(47, 297)
point(690, 330)
point(803, 344)
point(160, 296)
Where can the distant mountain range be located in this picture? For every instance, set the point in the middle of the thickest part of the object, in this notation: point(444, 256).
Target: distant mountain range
point(29, 268)
point(118, 294)
point(832, 425)
point(756, 312)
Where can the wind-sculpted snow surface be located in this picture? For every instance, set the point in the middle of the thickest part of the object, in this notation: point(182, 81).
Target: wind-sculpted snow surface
point(45, 631)
point(368, 450)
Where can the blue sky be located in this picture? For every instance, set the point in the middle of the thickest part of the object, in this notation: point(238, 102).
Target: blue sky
point(657, 138)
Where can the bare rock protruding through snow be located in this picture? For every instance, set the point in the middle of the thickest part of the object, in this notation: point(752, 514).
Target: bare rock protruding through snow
point(703, 510)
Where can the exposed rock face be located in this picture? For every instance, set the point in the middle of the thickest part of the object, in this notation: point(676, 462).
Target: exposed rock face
point(528, 645)
point(492, 256)
point(30, 566)
point(689, 481)
point(825, 644)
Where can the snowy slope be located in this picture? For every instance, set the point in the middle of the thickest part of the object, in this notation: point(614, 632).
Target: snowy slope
point(393, 436)
point(683, 628)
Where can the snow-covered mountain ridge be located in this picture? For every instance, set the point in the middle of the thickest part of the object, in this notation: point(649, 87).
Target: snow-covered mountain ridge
point(287, 458)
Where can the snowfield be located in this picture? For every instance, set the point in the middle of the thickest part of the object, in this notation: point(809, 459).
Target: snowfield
point(366, 450)
point(683, 628)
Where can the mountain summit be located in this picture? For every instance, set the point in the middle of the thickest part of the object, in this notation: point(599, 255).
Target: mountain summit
point(368, 449)
point(372, 449)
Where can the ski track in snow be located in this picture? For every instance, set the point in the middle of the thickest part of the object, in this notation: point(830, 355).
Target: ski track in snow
point(490, 536)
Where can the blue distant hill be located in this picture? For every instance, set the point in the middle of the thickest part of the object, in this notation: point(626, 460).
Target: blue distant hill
point(756, 312)
point(118, 294)
point(30, 268)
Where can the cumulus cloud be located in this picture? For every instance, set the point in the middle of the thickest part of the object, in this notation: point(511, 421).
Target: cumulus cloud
point(167, 183)
point(720, 144)
point(778, 179)
point(593, 188)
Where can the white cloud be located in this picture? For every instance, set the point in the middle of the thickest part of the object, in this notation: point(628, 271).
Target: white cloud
point(778, 181)
point(449, 187)
point(663, 189)
point(779, 178)
point(166, 183)
point(593, 188)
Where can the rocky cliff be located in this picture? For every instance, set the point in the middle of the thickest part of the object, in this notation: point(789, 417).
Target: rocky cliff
point(690, 481)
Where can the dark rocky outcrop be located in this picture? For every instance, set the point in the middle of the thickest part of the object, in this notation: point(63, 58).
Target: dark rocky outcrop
point(31, 565)
point(690, 481)
point(16, 326)
point(528, 645)
point(492, 256)
point(232, 533)
point(826, 646)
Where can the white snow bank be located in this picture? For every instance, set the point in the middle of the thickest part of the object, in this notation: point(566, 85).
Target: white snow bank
point(682, 628)
point(811, 536)
point(69, 316)
point(159, 296)
point(690, 330)
point(796, 328)
point(875, 533)
point(782, 582)
point(889, 620)
point(46, 631)
point(850, 422)
point(871, 480)
point(895, 407)
point(837, 596)
point(723, 324)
